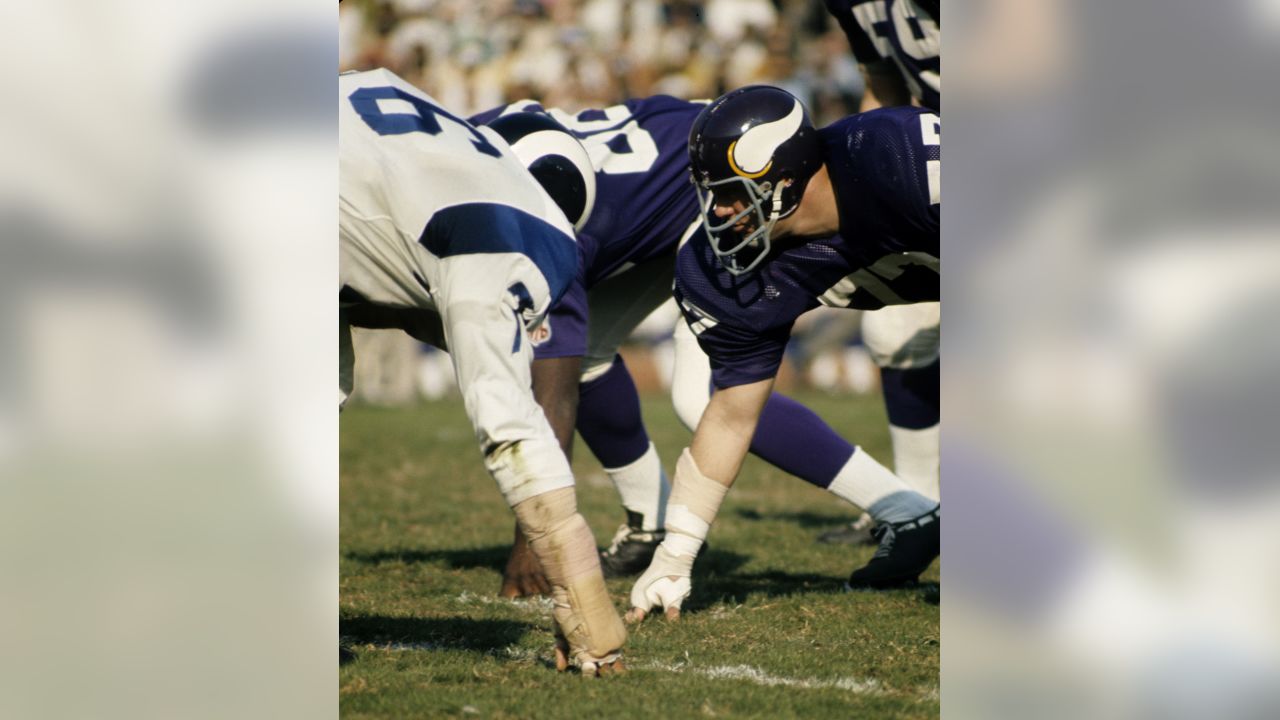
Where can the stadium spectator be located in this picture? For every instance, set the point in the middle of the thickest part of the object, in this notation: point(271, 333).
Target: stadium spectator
point(577, 54)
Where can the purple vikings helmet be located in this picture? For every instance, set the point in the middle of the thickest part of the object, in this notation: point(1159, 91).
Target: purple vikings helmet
point(755, 145)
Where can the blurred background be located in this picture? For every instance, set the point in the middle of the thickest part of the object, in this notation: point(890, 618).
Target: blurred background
point(575, 54)
point(168, 444)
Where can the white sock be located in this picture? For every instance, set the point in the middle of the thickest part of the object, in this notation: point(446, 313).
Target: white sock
point(869, 485)
point(644, 488)
point(915, 458)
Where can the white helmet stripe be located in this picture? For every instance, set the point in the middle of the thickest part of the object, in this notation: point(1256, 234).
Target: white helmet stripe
point(542, 143)
point(756, 146)
point(550, 142)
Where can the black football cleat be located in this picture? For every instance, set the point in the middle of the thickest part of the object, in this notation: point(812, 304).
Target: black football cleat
point(906, 549)
point(630, 552)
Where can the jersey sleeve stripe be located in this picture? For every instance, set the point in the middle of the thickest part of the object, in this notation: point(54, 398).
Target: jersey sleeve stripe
point(474, 228)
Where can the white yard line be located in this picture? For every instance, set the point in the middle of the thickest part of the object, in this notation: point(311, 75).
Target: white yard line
point(747, 673)
point(534, 604)
point(760, 677)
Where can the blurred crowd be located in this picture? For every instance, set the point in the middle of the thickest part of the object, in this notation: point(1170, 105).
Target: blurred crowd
point(476, 54)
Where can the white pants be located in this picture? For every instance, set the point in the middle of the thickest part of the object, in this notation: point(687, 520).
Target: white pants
point(617, 305)
point(903, 336)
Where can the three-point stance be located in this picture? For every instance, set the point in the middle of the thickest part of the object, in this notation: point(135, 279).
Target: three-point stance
point(443, 232)
point(795, 217)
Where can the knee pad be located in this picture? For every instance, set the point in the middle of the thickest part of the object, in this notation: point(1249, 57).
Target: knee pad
point(562, 542)
point(903, 336)
point(593, 368)
point(689, 403)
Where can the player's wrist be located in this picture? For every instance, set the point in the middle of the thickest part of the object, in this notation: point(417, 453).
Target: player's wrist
point(680, 545)
point(695, 500)
point(669, 563)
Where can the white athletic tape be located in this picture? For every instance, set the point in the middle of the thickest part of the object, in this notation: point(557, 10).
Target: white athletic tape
point(695, 500)
point(699, 495)
point(680, 544)
point(681, 519)
point(666, 583)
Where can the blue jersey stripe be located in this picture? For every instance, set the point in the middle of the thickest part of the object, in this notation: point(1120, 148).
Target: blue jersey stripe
point(473, 228)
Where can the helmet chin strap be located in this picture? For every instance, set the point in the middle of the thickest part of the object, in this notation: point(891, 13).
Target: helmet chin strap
point(776, 212)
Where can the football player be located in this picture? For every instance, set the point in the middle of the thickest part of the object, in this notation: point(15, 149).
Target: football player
point(644, 208)
point(795, 217)
point(896, 44)
point(439, 222)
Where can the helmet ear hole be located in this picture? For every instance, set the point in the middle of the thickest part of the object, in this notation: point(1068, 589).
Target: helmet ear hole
point(555, 158)
point(565, 184)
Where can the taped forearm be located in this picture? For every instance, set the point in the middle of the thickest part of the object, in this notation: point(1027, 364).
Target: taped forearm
point(695, 501)
point(562, 542)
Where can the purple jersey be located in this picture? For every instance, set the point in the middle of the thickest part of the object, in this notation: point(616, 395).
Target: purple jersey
point(644, 199)
point(905, 32)
point(884, 167)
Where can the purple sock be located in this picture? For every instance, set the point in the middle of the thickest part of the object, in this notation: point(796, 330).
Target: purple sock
point(609, 417)
point(794, 439)
point(911, 396)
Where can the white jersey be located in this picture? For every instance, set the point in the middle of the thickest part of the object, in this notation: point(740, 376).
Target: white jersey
point(402, 160)
point(437, 215)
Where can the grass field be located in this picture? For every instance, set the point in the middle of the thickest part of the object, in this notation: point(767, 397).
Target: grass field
point(766, 633)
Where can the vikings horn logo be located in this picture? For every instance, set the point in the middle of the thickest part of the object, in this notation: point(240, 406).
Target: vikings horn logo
point(751, 155)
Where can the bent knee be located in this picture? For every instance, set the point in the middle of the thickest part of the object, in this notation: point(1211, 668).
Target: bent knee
point(689, 404)
point(903, 336)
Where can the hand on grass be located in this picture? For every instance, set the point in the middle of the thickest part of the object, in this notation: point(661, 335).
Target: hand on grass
point(523, 576)
point(665, 584)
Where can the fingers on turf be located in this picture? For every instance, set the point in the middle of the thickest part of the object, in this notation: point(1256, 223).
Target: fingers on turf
point(635, 614)
point(562, 654)
point(594, 670)
point(613, 668)
point(521, 586)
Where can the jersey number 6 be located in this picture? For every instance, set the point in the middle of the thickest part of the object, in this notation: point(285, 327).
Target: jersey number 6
point(418, 116)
